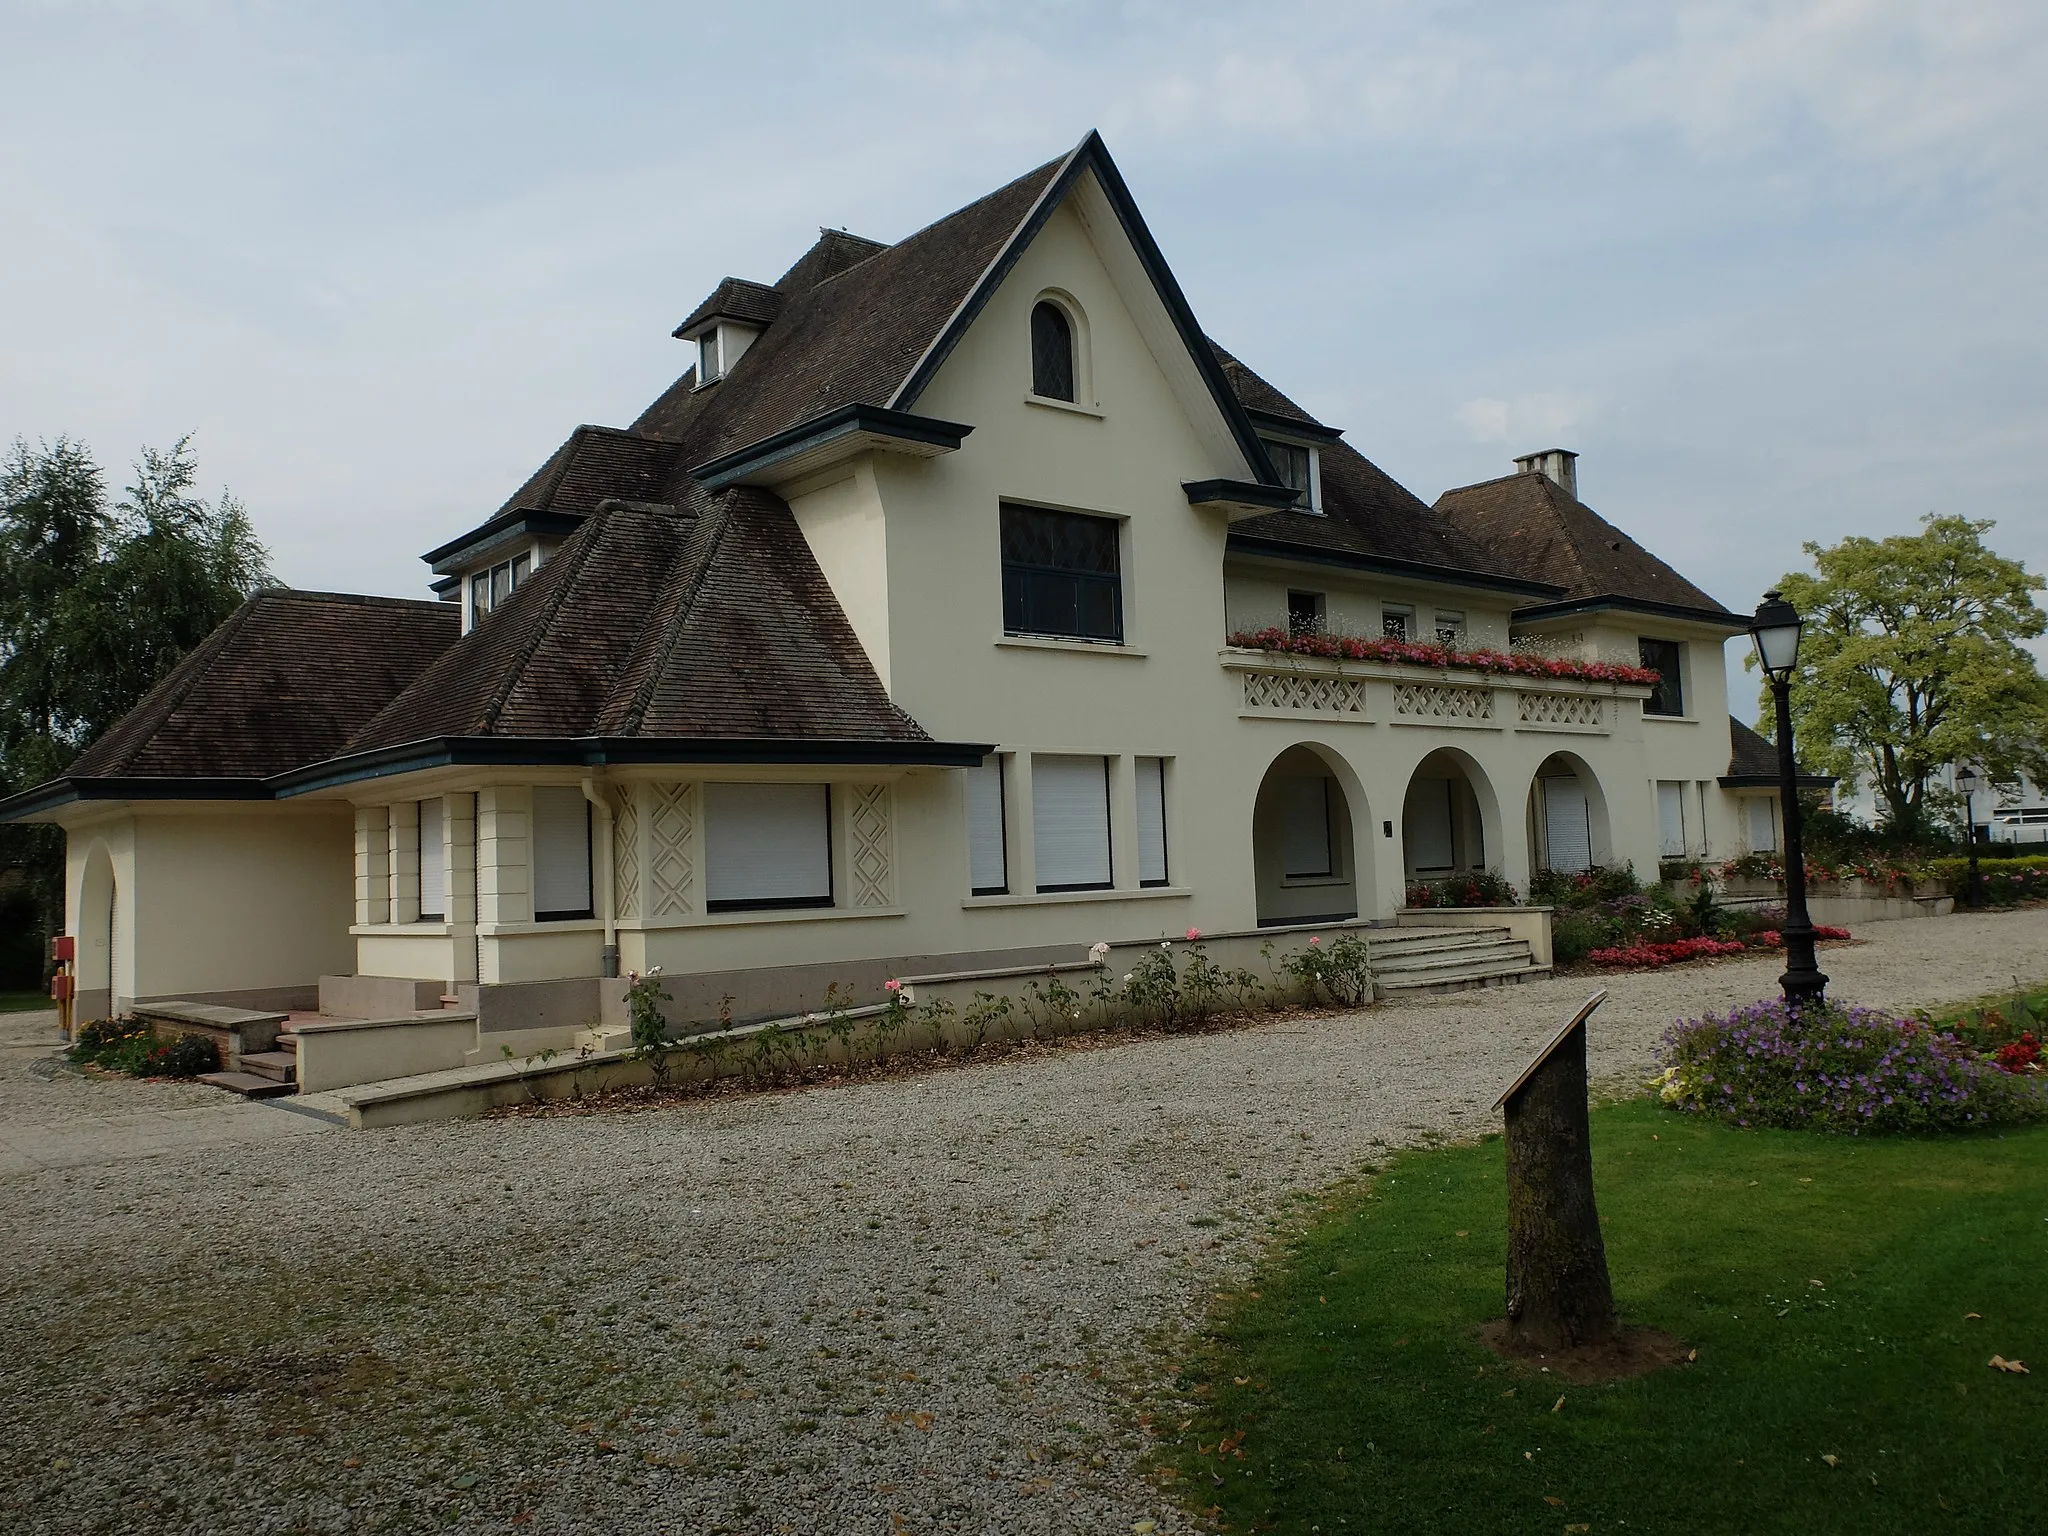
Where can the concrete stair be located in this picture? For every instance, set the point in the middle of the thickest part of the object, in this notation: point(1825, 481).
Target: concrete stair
point(249, 1085)
point(1408, 960)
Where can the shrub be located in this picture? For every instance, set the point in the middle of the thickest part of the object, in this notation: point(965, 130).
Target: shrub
point(1575, 935)
point(1588, 887)
point(2007, 882)
point(1832, 1068)
point(1480, 888)
point(1341, 969)
point(130, 1046)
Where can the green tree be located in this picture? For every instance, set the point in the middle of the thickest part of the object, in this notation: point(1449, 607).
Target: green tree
point(97, 603)
point(1913, 659)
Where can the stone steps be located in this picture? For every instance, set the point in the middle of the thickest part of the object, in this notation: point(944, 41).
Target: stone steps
point(1451, 960)
point(247, 1084)
point(278, 1066)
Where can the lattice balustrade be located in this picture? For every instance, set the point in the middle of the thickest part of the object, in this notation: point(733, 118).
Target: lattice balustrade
point(868, 837)
point(1561, 709)
point(672, 866)
point(1305, 693)
point(626, 857)
point(1437, 701)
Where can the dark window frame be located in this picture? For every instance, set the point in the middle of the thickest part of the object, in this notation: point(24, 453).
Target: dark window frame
point(1054, 364)
point(1315, 608)
point(1286, 457)
point(1046, 597)
point(1667, 699)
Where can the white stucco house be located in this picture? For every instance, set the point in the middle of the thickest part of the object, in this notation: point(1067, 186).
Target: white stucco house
point(897, 635)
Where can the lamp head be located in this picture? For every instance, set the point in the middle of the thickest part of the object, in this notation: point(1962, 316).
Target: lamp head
point(1775, 631)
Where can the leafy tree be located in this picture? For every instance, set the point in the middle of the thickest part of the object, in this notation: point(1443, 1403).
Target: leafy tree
point(1913, 659)
point(97, 603)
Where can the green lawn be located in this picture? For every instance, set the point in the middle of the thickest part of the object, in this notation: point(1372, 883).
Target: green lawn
point(24, 1002)
point(1365, 1403)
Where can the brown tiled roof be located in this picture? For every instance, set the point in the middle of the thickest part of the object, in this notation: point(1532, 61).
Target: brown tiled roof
point(1531, 522)
point(597, 462)
point(1366, 512)
point(653, 624)
point(287, 679)
point(736, 299)
point(834, 251)
point(1752, 756)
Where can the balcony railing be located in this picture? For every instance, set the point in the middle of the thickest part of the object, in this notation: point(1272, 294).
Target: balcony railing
point(1276, 685)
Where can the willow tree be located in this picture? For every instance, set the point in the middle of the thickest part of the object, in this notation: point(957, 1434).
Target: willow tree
point(1914, 658)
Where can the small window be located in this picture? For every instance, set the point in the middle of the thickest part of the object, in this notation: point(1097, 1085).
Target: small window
point(487, 589)
point(1151, 821)
point(1060, 575)
point(1296, 467)
point(1671, 820)
point(1395, 620)
point(1052, 352)
point(561, 854)
point(767, 846)
point(1663, 658)
point(988, 849)
point(1306, 851)
point(479, 595)
point(433, 884)
point(1070, 822)
point(708, 370)
point(1305, 612)
point(1450, 629)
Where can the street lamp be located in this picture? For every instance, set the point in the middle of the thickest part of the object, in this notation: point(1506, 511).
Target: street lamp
point(1966, 780)
point(1775, 630)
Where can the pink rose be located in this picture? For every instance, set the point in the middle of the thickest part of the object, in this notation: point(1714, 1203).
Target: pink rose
point(1194, 934)
point(892, 985)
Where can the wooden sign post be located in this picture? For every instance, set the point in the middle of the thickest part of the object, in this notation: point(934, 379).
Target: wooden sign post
point(1559, 1296)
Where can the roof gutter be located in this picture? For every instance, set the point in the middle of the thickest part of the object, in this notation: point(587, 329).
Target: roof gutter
point(1283, 549)
point(615, 751)
point(1719, 618)
point(876, 425)
point(1770, 781)
point(70, 789)
point(505, 525)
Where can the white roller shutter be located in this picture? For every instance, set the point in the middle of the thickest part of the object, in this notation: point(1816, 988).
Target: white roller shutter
point(1763, 824)
point(1070, 822)
point(1671, 819)
point(987, 851)
point(433, 883)
point(767, 845)
point(561, 853)
point(1567, 825)
point(1305, 828)
point(1151, 821)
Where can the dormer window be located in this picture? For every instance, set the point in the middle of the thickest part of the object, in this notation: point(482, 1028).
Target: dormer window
point(1052, 352)
point(1297, 467)
point(708, 369)
point(487, 589)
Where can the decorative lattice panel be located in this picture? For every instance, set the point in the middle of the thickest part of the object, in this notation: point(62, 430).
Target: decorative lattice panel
point(1306, 693)
point(626, 857)
point(868, 839)
point(1433, 701)
point(1560, 709)
point(672, 858)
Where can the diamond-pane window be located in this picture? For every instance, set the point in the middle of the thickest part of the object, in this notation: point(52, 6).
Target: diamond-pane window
point(1052, 353)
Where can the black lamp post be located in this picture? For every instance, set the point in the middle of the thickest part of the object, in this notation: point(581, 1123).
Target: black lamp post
point(1966, 781)
point(1775, 629)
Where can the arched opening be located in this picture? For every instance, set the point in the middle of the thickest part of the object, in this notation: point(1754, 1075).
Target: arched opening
point(95, 930)
point(1306, 857)
point(1052, 352)
point(1568, 829)
point(1450, 820)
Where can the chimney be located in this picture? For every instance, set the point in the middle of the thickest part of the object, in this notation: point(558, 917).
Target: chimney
point(1560, 464)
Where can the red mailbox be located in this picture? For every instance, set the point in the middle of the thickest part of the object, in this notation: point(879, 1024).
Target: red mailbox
point(64, 948)
point(60, 987)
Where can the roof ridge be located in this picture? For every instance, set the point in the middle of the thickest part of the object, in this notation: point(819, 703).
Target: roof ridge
point(671, 630)
point(576, 552)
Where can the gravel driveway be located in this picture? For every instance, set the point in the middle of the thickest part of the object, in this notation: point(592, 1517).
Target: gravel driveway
point(930, 1304)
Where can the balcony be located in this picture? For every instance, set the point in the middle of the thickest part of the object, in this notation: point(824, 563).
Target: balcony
point(1277, 686)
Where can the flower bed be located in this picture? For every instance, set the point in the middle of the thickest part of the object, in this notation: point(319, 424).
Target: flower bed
point(1480, 888)
point(1831, 1068)
point(1372, 648)
point(1645, 953)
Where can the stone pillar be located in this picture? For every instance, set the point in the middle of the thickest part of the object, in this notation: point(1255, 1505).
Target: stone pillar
point(373, 865)
point(458, 865)
point(405, 861)
point(504, 876)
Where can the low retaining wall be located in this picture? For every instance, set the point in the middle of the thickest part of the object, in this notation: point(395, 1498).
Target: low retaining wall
point(1530, 924)
point(1844, 904)
point(377, 997)
point(340, 1053)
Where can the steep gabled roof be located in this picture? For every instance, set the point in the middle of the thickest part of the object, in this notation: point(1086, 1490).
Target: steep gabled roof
point(1753, 762)
point(1532, 522)
point(288, 678)
point(650, 624)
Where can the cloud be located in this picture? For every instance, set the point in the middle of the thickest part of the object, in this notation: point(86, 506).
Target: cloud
point(1524, 419)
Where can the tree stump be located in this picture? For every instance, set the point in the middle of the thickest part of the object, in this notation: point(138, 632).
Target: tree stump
point(1559, 1295)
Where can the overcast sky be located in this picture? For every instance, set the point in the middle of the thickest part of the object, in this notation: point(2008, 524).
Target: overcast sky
point(1776, 270)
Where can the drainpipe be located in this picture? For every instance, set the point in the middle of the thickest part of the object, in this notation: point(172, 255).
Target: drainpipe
point(608, 904)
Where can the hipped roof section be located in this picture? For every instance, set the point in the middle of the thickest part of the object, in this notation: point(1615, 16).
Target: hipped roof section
point(286, 679)
point(1532, 523)
point(653, 624)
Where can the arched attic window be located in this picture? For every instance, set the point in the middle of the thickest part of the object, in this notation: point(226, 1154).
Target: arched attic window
point(1052, 352)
